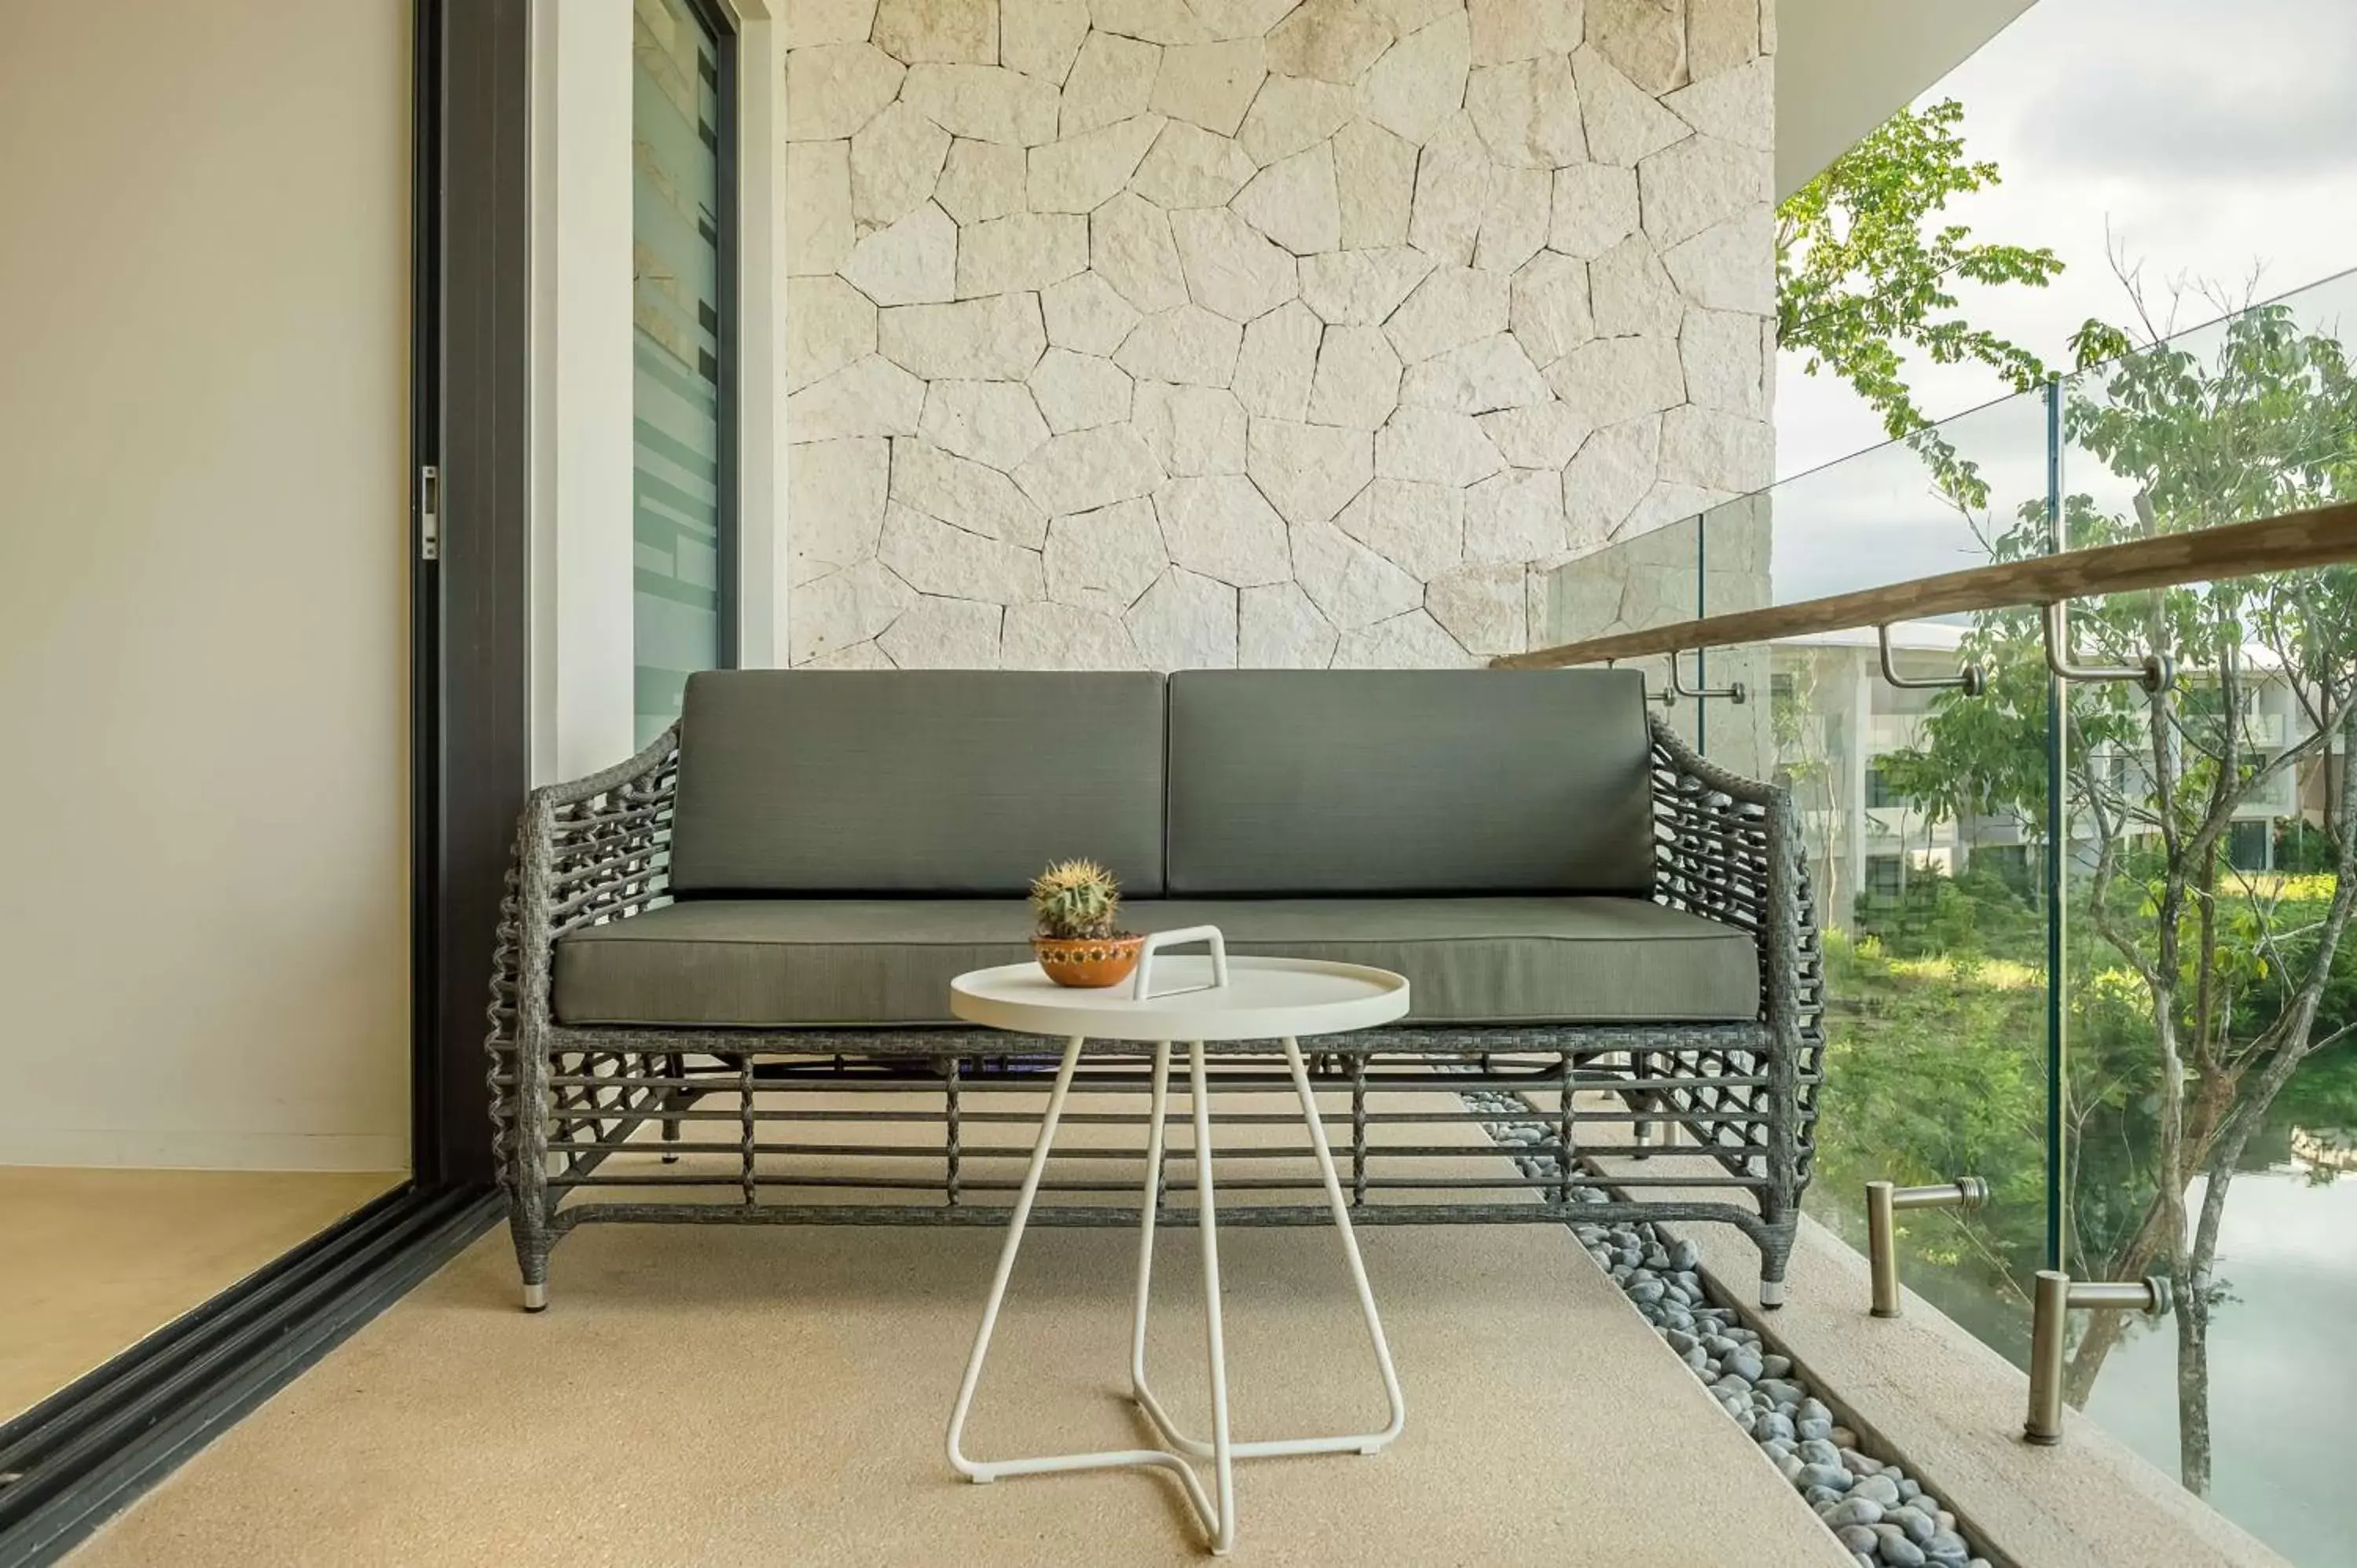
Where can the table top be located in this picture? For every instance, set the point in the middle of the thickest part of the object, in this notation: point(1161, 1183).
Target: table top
point(1264, 999)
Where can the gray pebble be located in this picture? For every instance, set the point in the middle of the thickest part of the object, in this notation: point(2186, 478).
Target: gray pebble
point(1882, 1488)
point(1881, 1515)
point(1895, 1549)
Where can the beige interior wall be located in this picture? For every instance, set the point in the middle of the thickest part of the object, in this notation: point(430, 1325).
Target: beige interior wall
point(203, 449)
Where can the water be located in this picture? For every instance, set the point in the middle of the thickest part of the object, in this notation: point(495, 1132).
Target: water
point(2283, 1369)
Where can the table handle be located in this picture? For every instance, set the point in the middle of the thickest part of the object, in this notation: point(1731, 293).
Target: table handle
point(1186, 936)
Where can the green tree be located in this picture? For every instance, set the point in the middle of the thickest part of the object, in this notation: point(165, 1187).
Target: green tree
point(1865, 272)
point(2223, 981)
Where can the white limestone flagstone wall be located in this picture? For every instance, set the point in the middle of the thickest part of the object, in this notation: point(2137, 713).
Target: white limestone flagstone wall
point(1174, 333)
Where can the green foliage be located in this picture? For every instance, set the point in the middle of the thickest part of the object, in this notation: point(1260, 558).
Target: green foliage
point(1971, 916)
point(1075, 899)
point(2302, 847)
point(1934, 1069)
point(1863, 273)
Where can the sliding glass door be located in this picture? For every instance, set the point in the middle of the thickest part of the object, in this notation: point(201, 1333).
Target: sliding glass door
point(683, 350)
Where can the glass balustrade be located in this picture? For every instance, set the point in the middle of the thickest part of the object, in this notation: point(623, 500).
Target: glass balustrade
point(1933, 889)
point(2083, 941)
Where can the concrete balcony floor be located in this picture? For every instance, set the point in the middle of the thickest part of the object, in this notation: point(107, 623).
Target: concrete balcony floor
point(96, 1260)
point(778, 1395)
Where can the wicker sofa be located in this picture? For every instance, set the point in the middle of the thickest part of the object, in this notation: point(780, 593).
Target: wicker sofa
point(739, 942)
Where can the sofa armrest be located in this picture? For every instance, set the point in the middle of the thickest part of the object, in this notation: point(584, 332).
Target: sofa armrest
point(587, 851)
point(1731, 848)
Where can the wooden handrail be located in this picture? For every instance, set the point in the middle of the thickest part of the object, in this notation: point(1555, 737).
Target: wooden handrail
point(2318, 538)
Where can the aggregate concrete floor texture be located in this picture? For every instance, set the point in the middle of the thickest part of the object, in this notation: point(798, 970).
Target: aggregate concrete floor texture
point(778, 1395)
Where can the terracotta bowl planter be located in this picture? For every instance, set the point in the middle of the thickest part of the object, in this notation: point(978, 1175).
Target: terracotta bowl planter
point(1089, 962)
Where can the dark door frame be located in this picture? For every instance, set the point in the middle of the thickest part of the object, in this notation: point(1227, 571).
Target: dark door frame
point(470, 623)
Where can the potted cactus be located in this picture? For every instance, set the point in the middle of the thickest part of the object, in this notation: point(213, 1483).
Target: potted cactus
point(1076, 941)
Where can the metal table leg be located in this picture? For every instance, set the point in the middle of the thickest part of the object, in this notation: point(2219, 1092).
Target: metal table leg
point(1362, 1442)
point(1216, 1510)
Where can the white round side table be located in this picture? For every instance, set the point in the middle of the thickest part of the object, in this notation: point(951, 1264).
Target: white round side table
point(1198, 1001)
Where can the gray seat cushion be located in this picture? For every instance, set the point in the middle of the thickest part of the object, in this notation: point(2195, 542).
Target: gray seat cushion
point(947, 782)
point(761, 963)
point(1400, 781)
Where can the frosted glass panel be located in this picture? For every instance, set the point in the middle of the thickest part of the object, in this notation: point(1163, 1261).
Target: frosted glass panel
point(676, 304)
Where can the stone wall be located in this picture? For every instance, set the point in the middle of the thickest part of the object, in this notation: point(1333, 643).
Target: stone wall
point(1204, 332)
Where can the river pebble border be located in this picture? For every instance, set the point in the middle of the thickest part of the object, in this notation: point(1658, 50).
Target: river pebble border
point(1883, 1517)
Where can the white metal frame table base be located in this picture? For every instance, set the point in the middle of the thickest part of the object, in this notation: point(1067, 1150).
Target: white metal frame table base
point(1217, 1508)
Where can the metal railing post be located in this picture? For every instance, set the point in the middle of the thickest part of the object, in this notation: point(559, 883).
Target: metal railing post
point(1883, 1202)
point(2053, 1298)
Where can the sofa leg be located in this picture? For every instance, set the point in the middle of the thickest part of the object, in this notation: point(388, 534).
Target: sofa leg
point(532, 1258)
point(1775, 1256)
point(1642, 1131)
point(674, 1067)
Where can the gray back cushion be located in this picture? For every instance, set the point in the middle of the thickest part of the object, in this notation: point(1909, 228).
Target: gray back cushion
point(917, 782)
point(1409, 781)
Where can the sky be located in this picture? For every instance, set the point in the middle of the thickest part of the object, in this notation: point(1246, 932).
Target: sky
point(2204, 138)
point(2205, 141)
